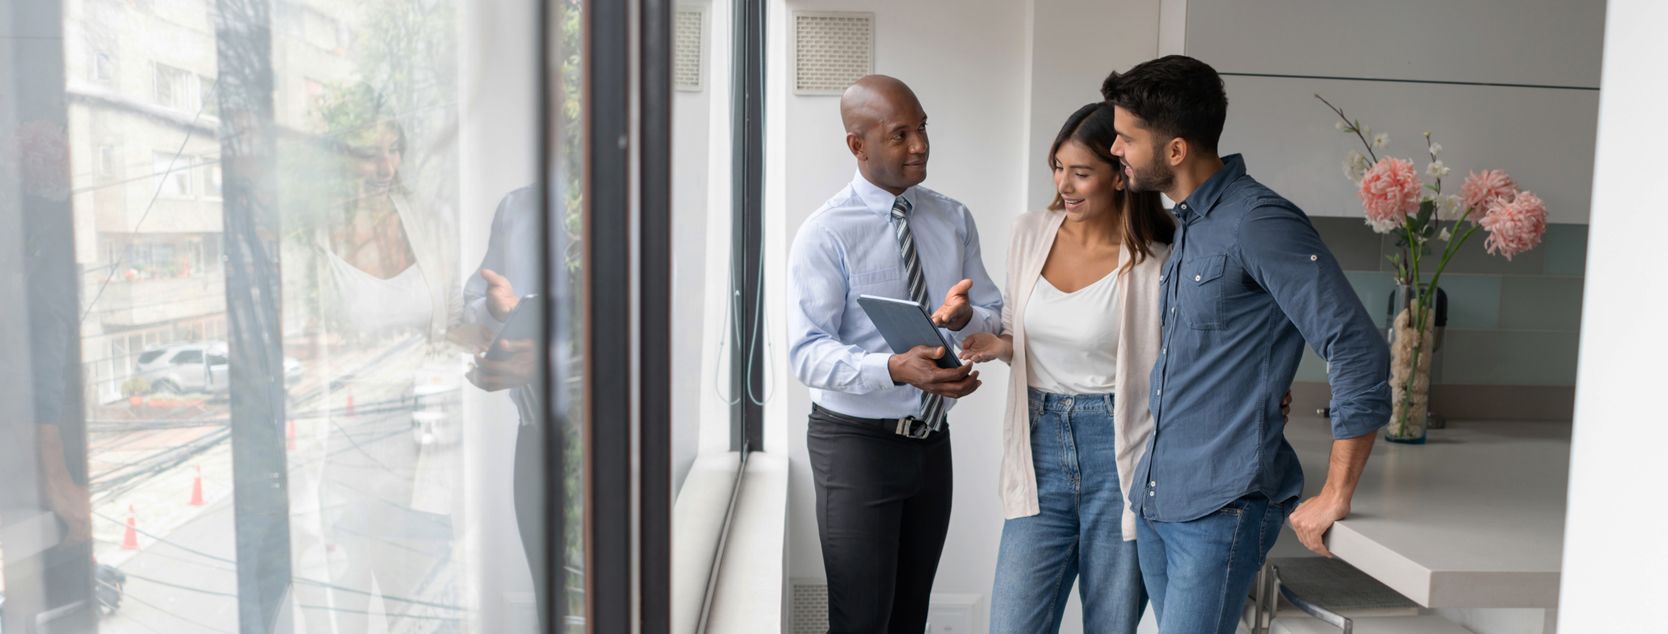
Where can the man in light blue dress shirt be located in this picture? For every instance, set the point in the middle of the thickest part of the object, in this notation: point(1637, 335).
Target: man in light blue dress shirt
point(513, 266)
point(880, 452)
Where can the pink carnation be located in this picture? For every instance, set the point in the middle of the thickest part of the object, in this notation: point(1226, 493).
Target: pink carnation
point(1482, 187)
point(1514, 224)
point(1390, 192)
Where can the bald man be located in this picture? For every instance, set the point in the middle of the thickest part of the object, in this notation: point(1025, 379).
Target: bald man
point(878, 437)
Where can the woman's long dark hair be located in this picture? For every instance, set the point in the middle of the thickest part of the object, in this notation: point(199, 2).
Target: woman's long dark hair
point(1141, 213)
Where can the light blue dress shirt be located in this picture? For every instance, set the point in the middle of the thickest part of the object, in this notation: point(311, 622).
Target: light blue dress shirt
point(849, 248)
point(515, 250)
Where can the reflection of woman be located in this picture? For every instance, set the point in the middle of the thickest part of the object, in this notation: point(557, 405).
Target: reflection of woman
point(1081, 318)
point(388, 297)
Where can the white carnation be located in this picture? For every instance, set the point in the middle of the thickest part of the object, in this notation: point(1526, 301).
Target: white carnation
point(1356, 166)
point(1449, 207)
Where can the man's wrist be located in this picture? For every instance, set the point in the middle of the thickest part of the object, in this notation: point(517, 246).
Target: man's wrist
point(1335, 495)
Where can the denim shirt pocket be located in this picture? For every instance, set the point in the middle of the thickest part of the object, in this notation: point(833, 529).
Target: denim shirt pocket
point(1201, 291)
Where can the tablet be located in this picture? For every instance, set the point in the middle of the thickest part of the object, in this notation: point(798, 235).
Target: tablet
point(523, 323)
point(905, 325)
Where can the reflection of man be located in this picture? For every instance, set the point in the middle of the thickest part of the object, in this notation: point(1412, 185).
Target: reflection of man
point(880, 453)
point(44, 503)
point(513, 264)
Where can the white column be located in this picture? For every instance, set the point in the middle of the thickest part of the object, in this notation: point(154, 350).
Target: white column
point(1614, 549)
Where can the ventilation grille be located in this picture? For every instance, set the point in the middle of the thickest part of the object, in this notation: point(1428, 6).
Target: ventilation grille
point(831, 50)
point(810, 607)
point(688, 44)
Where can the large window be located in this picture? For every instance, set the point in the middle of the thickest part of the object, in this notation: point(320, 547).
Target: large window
point(321, 360)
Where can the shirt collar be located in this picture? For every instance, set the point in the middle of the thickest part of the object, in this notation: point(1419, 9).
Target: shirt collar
point(876, 199)
point(1203, 199)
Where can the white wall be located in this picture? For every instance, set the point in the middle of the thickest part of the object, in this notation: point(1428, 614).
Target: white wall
point(1614, 552)
point(996, 90)
point(691, 114)
point(1075, 43)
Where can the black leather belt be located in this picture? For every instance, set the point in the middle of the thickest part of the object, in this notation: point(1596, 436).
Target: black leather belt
point(908, 426)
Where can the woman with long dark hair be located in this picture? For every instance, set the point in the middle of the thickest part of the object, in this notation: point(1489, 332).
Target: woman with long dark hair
point(1081, 324)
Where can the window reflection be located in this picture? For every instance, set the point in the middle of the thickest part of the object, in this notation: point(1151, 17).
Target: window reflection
point(130, 374)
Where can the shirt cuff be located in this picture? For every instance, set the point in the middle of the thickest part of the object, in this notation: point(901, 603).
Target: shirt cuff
point(482, 315)
point(875, 372)
point(982, 320)
point(1354, 422)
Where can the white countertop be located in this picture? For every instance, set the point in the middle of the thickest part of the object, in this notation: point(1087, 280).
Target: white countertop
point(1474, 518)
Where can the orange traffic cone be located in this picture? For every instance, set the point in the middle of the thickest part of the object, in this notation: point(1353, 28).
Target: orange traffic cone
point(197, 488)
point(130, 538)
point(289, 434)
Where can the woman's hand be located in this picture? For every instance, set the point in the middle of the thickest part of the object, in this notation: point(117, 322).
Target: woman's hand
point(983, 346)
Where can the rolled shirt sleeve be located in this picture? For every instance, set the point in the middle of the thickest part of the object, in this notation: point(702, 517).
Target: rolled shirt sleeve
point(1281, 250)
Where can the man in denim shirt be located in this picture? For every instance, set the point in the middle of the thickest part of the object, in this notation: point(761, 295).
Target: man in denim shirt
point(1247, 282)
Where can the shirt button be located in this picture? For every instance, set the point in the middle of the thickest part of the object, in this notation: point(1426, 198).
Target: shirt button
point(1198, 277)
point(1161, 391)
point(1161, 278)
point(1313, 258)
point(1151, 494)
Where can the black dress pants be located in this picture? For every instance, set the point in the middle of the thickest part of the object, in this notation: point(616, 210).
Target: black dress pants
point(883, 507)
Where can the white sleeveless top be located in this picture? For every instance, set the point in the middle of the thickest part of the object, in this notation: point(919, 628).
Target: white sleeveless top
point(1073, 337)
point(376, 306)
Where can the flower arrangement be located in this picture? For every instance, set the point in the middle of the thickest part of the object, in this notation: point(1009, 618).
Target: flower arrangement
point(1396, 199)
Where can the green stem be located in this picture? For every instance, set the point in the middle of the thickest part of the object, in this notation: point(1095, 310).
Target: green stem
point(1420, 309)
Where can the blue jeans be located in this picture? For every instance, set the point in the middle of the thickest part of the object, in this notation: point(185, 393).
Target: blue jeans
point(1078, 531)
point(1199, 572)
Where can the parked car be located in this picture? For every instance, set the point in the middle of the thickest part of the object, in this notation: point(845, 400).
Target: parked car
point(198, 366)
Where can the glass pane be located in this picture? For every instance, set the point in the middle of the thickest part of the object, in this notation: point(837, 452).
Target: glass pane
point(289, 269)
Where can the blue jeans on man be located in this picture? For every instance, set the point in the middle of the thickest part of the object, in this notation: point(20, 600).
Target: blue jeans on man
point(1208, 564)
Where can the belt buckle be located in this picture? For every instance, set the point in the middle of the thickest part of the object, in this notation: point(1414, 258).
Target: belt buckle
point(912, 427)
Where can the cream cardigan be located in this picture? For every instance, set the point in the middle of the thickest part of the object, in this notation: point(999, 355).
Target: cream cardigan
point(1138, 341)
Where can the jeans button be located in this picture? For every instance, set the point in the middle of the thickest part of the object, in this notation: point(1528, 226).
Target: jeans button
point(1066, 403)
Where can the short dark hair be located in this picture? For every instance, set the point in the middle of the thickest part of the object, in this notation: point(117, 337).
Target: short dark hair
point(1176, 95)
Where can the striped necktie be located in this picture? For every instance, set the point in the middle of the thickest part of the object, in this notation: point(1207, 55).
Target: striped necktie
point(932, 405)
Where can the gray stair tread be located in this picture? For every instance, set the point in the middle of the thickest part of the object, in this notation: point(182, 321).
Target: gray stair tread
point(1336, 586)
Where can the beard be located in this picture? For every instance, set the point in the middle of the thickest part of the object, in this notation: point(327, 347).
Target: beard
point(1158, 178)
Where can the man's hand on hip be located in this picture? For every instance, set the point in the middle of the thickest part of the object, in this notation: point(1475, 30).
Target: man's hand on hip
point(917, 367)
point(957, 310)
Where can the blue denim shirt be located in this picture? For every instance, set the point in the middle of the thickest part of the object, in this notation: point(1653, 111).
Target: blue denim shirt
point(1247, 282)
